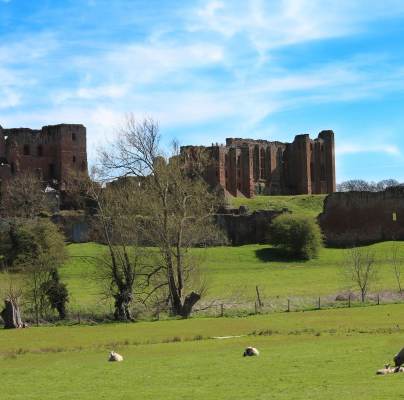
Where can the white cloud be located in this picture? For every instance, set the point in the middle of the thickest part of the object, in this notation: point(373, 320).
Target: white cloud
point(149, 62)
point(112, 91)
point(274, 24)
point(369, 147)
point(28, 49)
point(9, 98)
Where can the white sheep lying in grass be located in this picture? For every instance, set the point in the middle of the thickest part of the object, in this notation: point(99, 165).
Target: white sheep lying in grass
point(386, 370)
point(115, 356)
point(251, 351)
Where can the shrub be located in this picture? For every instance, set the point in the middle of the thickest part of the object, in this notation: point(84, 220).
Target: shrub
point(56, 293)
point(298, 235)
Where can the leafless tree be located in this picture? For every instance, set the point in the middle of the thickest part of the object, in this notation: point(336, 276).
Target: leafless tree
point(360, 185)
point(361, 269)
point(11, 288)
point(397, 264)
point(74, 190)
point(174, 209)
point(23, 197)
point(123, 269)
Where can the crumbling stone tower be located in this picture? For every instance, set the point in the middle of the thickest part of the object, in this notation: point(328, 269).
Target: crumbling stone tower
point(52, 152)
point(245, 167)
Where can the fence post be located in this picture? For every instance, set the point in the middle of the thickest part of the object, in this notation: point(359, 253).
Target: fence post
point(319, 303)
point(378, 299)
point(258, 296)
point(221, 309)
point(288, 310)
point(78, 318)
point(349, 300)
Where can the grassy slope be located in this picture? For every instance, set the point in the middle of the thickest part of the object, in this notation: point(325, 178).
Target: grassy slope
point(329, 354)
point(310, 205)
point(233, 272)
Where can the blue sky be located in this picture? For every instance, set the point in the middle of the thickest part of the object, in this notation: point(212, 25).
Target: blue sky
point(212, 69)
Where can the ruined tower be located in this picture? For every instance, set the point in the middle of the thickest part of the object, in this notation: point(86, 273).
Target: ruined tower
point(245, 167)
point(52, 152)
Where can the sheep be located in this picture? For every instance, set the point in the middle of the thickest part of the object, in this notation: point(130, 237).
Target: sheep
point(115, 356)
point(251, 351)
point(386, 370)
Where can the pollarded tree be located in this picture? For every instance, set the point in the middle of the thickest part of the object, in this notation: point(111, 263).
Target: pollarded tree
point(175, 211)
point(122, 268)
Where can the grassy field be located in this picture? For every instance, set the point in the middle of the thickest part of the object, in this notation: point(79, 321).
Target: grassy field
point(233, 272)
point(329, 354)
point(310, 205)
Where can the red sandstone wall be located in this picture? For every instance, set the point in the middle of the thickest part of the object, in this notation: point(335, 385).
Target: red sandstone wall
point(363, 217)
point(51, 152)
point(304, 166)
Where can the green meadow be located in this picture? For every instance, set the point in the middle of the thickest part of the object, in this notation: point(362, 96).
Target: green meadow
point(331, 354)
point(232, 273)
point(310, 205)
point(317, 354)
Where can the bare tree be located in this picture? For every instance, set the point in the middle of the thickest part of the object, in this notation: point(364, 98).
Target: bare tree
point(397, 265)
point(175, 208)
point(23, 197)
point(361, 269)
point(74, 190)
point(123, 269)
point(364, 186)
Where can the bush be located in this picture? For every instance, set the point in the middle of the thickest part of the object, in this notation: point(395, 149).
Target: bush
point(298, 235)
point(57, 293)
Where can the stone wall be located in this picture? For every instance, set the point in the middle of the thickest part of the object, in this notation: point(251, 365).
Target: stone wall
point(51, 152)
point(76, 226)
point(245, 167)
point(352, 218)
point(246, 228)
point(240, 228)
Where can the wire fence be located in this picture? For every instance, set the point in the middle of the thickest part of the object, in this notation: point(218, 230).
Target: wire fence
point(230, 307)
point(223, 308)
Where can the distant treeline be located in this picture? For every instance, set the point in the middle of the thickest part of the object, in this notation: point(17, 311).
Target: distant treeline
point(362, 185)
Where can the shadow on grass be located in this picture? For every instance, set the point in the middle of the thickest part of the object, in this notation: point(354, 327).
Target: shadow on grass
point(274, 254)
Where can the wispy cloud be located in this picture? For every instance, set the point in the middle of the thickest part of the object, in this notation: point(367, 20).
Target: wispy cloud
point(279, 23)
point(351, 148)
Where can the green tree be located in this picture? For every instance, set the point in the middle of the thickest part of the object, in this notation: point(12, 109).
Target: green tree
point(36, 248)
point(298, 235)
point(56, 293)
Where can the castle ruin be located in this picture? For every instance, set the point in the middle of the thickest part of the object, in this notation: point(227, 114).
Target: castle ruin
point(245, 167)
point(52, 152)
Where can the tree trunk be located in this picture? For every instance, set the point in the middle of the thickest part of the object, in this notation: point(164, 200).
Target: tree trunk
point(11, 315)
point(61, 309)
point(122, 303)
point(189, 303)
